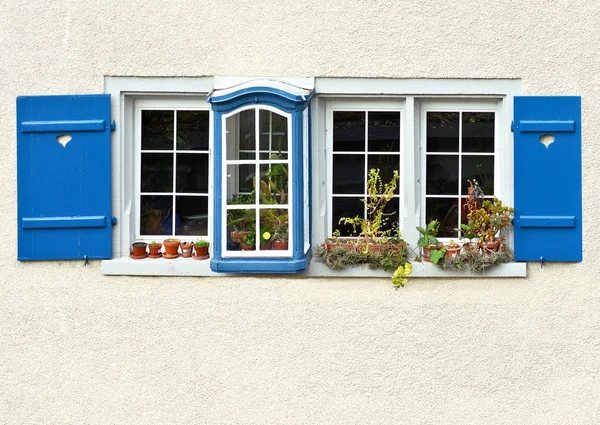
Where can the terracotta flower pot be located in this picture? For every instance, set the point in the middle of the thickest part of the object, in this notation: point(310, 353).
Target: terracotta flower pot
point(280, 245)
point(245, 247)
point(488, 247)
point(155, 250)
point(139, 249)
point(265, 246)
point(238, 236)
point(171, 247)
point(201, 251)
point(429, 248)
point(452, 251)
point(186, 249)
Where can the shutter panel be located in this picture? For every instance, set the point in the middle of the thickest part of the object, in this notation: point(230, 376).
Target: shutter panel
point(63, 177)
point(547, 178)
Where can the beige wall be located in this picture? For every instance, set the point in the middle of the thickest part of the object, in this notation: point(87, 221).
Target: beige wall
point(79, 347)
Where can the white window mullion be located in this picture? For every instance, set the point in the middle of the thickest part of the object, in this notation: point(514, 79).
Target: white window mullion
point(460, 175)
point(409, 143)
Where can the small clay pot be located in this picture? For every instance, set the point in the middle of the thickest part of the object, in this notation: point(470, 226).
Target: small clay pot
point(201, 251)
point(429, 248)
point(488, 247)
point(265, 246)
point(245, 247)
point(186, 249)
point(155, 250)
point(452, 251)
point(280, 245)
point(238, 236)
point(139, 249)
point(171, 246)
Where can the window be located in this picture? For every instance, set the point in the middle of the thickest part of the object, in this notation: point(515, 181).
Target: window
point(173, 172)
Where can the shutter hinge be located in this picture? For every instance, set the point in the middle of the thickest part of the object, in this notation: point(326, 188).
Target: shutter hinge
point(113, 125)
point(114, 221)
point(512, 126)
point(541, 262)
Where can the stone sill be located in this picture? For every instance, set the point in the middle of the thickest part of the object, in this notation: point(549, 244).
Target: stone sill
point(189, 267)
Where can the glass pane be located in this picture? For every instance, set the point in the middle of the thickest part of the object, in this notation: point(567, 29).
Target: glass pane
point(241, 224)
point(442, 131)
point(241, 136)
point(392, 216)
point(348, 131)
point(155, 215)
point(192, 172)
point(384, 131)
point(386, 164)
point(480, 168)
point(191, 215)
point(192, 130)
point(273, 135)
point(349, 208)
point(349, 174)
point(444, 210)
point(244, 176)
point(478, 132)
point(157, 172)
point(157, 130)
point(276, 223)
point(274, 184)
point(442, 175)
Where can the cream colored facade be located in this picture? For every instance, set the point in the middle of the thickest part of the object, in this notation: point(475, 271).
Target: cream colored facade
point(78, 346)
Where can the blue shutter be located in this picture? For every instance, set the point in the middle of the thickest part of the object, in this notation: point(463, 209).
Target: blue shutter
point(547, 179)
point(64, 204)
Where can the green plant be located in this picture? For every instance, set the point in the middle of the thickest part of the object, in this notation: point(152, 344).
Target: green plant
point(201, 243)
point(475, 261)
point(428, 234)
point(277, 223)
point(240, 219)
point(488, 220)
point(378, 196)
point(466, 231)
point(400, 275)
point(387, 257)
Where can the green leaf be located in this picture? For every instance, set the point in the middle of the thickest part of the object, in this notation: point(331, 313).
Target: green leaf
point(436, 255)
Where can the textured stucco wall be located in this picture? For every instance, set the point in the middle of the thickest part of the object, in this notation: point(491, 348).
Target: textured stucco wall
point(79, 347)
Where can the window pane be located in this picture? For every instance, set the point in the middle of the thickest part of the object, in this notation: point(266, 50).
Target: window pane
point(274, 184)
point(384, 131)
point(155, 215)
point(273, 135)
point(192, 130)
point(240, 224)
point(386, 164)
point(444, 210)
point(442, 175)
point(157, 172)
point(346, 207)
point(348, 131)
point(191, 215)
point(480, 168)
point(241, 135)
point(348, 174)
point(192, 173)
point(442, 131)
point(276, 222)
point(243, 175)
point(478, 132)
point(157, 130)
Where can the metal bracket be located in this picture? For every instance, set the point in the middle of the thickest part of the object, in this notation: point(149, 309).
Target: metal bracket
point(114, 221)
point(541, 262)
point(512, 126)
point(113, 125)
point(85, 260)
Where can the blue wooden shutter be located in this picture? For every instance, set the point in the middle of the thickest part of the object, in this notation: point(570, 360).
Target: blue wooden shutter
point(547, 178)
point(64, 204)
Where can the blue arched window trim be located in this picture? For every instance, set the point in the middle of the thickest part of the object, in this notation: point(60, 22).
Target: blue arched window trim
point(290, 103)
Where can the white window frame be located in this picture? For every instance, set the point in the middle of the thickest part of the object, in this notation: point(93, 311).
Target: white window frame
point(170, 104)
point(257, 253)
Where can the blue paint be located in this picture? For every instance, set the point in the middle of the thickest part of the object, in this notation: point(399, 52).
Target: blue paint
point(64, 197)
point(288, 103)
point(548, 204)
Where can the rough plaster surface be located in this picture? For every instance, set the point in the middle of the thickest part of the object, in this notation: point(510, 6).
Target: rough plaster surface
point(79, 347)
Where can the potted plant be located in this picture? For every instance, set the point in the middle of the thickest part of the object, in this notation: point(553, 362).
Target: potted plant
point(487, 222)
point(171, 247)
point(239, 220)
point(428, 241)
point(139, 250)
point(186, 249)
point(154, 248)
point(201, 248)
point(452, 249)
point(468, 233)
point(265, 239)
point(281, 233)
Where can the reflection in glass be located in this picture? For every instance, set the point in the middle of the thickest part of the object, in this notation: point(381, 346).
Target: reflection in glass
point(155, 215)
point(244, 175)
point(384, 131)
point(444, 210)
point(348, 131)
point(480, 168)
point(442, 175)
point(192, 130)
point(192, 173)
point(241, 137)
point(386, 164)
point(276, 223)
point(157, 172)
point(191, 215)
point(241, 224)
point(346, 207)
point(157, 130)
point(274, 184)
point(442, 131)
point(478, 132)
point(273, 135)
point(348, 174)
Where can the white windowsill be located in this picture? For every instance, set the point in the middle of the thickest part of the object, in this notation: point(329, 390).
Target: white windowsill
point(189, 267)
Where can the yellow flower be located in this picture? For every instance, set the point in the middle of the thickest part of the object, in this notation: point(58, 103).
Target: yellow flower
point(266, 236)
